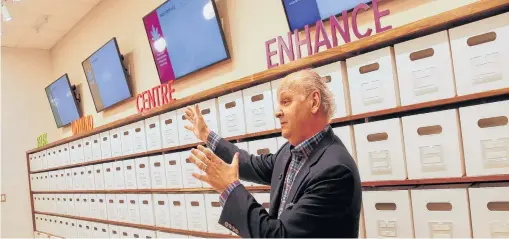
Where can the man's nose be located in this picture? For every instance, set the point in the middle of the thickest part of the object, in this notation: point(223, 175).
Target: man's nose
point(278, 113)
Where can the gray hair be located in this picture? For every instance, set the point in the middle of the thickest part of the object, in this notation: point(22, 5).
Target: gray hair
point(306, 81)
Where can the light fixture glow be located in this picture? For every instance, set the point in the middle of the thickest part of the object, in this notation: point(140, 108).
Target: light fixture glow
point(5, 14)
point(208, 11)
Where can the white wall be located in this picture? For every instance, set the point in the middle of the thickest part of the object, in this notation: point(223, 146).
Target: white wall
point(25, 115)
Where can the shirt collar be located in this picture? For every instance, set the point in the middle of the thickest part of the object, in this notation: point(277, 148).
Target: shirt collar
point(305, 148)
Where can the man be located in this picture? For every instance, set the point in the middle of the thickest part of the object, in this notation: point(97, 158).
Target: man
point(315, 184)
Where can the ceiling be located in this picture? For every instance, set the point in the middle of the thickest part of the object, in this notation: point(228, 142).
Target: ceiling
point(27, 15)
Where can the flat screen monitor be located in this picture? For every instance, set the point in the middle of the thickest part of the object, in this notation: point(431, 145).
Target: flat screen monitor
point(62, 101)
point(185, 36)
point(300, 13)
point(106, 76)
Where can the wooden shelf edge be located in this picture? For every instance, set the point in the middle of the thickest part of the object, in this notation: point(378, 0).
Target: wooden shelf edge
point(145, 227)
point(406, 182)
point(140, 191)
point(49, 234)
point(427, 25)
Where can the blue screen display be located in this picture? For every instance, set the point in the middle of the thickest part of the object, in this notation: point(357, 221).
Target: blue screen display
point(185, 36)
point(61, 100)
point(306, 12)
point(106, 77)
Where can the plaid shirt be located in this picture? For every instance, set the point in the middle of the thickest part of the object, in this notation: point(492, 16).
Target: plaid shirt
point(300, 153)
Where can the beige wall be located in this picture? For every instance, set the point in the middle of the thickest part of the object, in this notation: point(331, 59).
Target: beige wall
point(247, 27)
point(25, 115)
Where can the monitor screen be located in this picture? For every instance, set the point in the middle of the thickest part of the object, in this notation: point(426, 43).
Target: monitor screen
point(106, 76)
point(300, 13)
point(185, 36)
point(62, 101)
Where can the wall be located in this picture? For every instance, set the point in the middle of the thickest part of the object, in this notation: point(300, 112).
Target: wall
point(25, 115)
point(247, 26)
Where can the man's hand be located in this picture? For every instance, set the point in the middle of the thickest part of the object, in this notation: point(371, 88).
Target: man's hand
point(198, 127)
point(217, 173)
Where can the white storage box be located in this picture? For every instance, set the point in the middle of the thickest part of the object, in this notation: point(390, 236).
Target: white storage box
point(102, 206)
point(231, 111)
point(173, 168)
point(119, 175)
point(85, 205)
point(480, 53)
point(96, 147)
point(130, 174)
point(380, 154)
point(146, 209)
point(346, 135)
point(87, 149)
point(153, 132)
point(99, 177)
point(157, 171)
point(258, 108)
point(105, 145)
point(373, 81)
point(71, 205)
point(335, 77)
point(188, 168)
point(121, 201)
point(64, 157)
point(90, 177)
point(94, 206)
point(485, 132)
point(280, 142)
point(140, 138)
point(72, 152)
point(388, 214)
point(143, 173)
point(433, 145)
point(133, 208)
point(214, 209)
point(274, 85)
point(77, 179)
point(440, 213)
point(125, 232)
point(196, 216)
point(185, 136)
point(78, 205)
point(116, 142)
point(244, 146)
point(111, 206)
point(161, 210)
point(178, 216)
point(101, 230)
point(210, 112)
point(127, 138)
point(262, 146)
point(68, 180)
point(109, 176)
point(490, 212)
point(169, 129)
point(425, 69)
point(114, 231)
point(79, 153)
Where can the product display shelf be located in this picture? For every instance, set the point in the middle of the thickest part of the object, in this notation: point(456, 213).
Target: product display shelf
point(145, 227)
point(401, 109)
point(462, 15)
point(145, 191)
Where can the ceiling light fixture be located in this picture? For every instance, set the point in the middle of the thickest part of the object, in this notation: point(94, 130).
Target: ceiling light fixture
point(6, 16)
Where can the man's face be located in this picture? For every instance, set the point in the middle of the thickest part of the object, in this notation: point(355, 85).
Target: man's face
point(296, 113)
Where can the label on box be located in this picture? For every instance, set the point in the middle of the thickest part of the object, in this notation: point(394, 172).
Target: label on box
point(380, 162)
point(495, 153)
point(499, 230)
point(387, 228)
point(440, 229)
point(371, 92)
point(485, 67)
point(232, 123)
point(431, 158)
point(259, 115)
point(424, 81)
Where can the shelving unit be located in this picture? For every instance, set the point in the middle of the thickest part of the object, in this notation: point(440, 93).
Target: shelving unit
point(462, 15)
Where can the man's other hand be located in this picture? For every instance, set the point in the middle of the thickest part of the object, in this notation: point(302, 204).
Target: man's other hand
point(198, 125)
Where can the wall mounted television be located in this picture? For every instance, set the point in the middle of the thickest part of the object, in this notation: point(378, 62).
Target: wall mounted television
point(185, 36)
point(106, 76)
point(62, 101)
point(300, 13)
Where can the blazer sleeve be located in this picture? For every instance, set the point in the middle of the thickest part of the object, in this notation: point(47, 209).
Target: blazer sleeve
point(253, 168)
point(323, 202)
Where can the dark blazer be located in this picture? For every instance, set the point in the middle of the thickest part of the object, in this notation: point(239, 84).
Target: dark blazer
point(324, 201)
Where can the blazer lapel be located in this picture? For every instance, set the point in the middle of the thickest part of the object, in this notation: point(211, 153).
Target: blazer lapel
point(282, 166)
point(304, 171)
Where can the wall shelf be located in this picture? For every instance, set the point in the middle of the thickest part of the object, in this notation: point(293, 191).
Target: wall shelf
point(401, 109)
point(139, 226)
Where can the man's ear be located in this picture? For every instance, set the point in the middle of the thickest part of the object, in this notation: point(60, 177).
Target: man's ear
point(315, 97)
